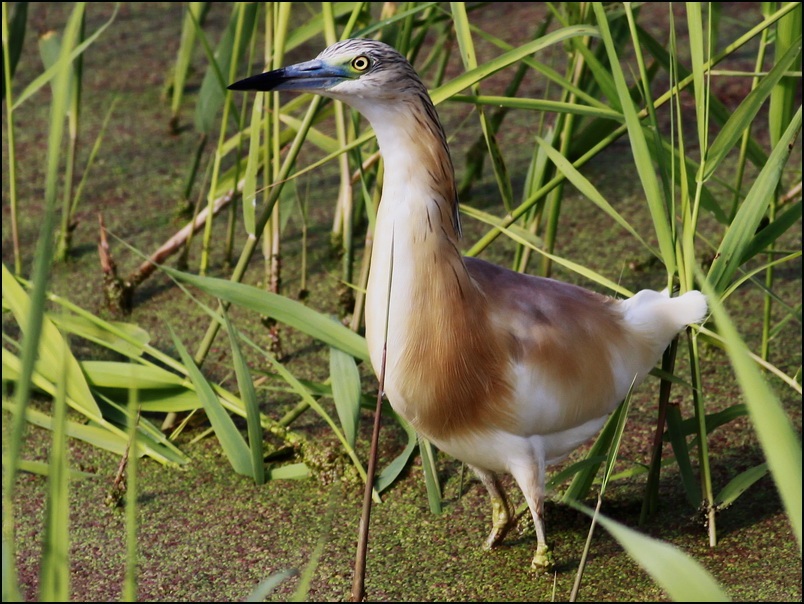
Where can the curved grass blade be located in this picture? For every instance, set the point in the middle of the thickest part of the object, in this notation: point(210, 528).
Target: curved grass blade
point(743, 228)
point(711, 421)
point(101, 433)
point(749, 275)
point(249, 398)
point(284, 310)
point(128, 339)
point(777, 436)
point(680, 575)
point(602, 77)
point(390, 473)
point(345, 379)
point(43, 469)
point(123, 375)
point(545, 105)
point(739, 484)
point(790, 381)
point(94, 435)
point(572, 469)
point(428, 453)
point(587, 189)
point(174, 400)
point(232, 442)
point(483, 71)
point(51, 72)
point(50, 342)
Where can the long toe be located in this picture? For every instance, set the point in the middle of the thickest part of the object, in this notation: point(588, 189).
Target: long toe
point(497, 534)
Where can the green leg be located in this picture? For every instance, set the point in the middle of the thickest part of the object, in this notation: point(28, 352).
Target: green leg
point(502, 518)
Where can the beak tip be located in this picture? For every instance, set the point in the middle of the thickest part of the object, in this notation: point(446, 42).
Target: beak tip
point(239, 85)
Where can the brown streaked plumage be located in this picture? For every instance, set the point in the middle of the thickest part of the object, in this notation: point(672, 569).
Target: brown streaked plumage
point(505, 371)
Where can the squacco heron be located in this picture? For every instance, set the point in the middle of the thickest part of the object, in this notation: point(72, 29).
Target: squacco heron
point(505, 371)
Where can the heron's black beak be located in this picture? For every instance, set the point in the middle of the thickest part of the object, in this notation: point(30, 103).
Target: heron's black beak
point(311, 76)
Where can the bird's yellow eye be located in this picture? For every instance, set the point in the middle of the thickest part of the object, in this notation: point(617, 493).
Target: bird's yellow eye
point(361, 63)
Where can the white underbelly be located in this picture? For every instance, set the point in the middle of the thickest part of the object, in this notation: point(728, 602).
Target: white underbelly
point(500, 451)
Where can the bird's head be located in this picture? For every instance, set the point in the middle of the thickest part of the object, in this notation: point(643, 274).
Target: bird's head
point(352, 70)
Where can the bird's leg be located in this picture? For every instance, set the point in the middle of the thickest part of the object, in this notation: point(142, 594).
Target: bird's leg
point(502, 517)
point(531, 481)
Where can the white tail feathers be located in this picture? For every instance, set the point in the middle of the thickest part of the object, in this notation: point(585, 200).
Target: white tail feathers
point(691, 307)
point(661, 316)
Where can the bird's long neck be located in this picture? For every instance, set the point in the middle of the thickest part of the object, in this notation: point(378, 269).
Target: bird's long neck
point(418, 167)
point(418, 281)
point(417, 220)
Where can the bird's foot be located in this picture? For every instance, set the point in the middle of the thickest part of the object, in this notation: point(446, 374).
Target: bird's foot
point(543, 560)
point(502, 520)
point(497, 534)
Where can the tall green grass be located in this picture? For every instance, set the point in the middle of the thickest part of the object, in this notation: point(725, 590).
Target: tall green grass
point(31, 320)
point(617, 80)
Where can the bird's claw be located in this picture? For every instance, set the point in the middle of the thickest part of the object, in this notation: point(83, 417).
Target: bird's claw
point(502, 524)
point(496, 536)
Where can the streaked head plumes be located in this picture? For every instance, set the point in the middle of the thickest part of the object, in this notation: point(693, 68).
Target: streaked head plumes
point(349, 70)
